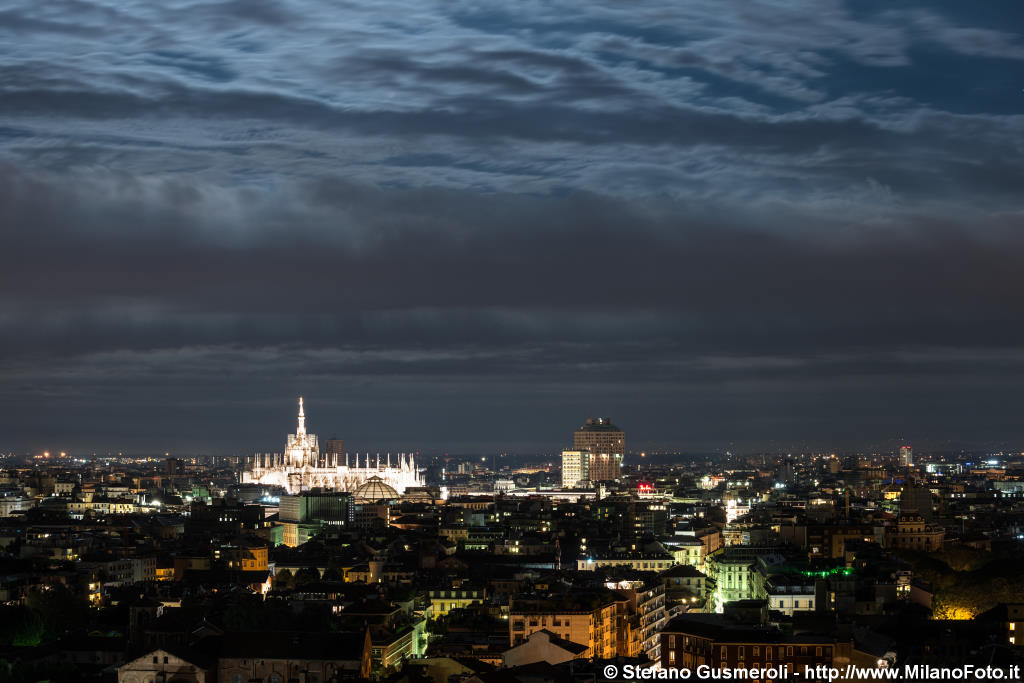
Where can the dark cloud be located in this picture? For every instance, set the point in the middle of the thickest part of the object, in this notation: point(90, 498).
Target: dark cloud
point(457, 228)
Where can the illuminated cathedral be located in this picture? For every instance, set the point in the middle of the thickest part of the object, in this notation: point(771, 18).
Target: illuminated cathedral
point(302, 467)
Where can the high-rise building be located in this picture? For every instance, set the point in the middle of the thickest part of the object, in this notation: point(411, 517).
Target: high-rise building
point(606, 444)
point(575, 469)
point(599, 435)
point(605, 466)
point(906, 456)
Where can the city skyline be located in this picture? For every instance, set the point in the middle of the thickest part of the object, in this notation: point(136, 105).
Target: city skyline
point(560, 432)
point(438, 341)
point(742, 226)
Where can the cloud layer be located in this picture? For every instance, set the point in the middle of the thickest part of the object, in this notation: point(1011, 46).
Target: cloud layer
point(465, 228)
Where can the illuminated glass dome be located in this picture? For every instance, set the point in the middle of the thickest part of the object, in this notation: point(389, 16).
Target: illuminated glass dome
point(373, 490)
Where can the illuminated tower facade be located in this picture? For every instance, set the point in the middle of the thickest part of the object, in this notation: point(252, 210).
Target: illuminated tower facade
point(301, 449)
point(606, 445)
point(575, 469)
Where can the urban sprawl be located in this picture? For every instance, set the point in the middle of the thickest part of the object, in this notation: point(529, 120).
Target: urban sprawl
point(599, 563)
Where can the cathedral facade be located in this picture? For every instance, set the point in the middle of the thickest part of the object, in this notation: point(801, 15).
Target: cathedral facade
point(302, 467)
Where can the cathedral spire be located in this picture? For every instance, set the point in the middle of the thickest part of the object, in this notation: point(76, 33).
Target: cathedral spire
point(302, 420)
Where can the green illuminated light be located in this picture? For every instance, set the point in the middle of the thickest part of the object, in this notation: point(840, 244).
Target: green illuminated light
point(825, 573)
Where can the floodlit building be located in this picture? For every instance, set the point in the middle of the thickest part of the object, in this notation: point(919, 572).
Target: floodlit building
point(575, 469)
point(301, 467)
point(606, 444)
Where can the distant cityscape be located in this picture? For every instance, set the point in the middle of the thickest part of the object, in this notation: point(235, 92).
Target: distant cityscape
point(534, 342)
point(315, 564)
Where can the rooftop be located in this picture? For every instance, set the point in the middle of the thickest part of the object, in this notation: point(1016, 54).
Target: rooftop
point(599, 424)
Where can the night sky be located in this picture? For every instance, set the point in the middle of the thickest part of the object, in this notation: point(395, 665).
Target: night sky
point(463, 226)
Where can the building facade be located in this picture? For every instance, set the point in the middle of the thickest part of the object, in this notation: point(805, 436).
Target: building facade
point(606, 444)
point(575, 469)
point(912, 532)
point(588, 622)
point(321, 657)
point(164, 666)
point(301, 467)
point(704, 640)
